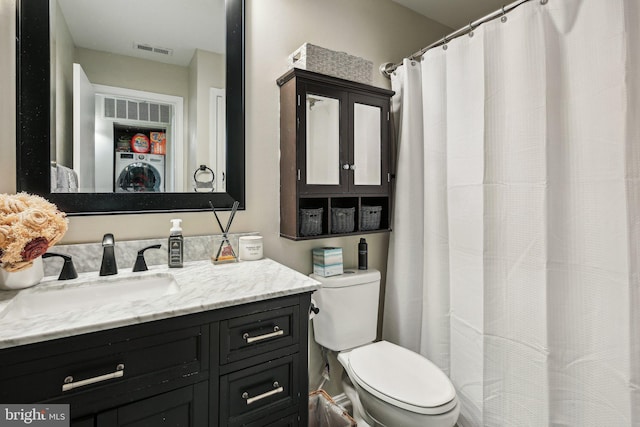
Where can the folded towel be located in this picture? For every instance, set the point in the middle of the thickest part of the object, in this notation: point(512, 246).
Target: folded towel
point(63, 180)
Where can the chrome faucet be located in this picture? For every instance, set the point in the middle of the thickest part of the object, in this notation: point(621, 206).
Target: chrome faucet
point(108, 266)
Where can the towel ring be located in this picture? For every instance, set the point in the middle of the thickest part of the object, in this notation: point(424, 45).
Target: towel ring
point(203, 185)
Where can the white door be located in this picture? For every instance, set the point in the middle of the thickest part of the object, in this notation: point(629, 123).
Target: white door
point(83, 130)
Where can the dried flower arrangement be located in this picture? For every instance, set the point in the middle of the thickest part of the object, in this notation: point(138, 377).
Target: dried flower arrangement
point(29, 225)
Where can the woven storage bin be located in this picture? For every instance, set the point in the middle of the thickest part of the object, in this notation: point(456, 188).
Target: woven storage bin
point(311, 221)
point(342, 220)
point(332, 63)
point(370, 217)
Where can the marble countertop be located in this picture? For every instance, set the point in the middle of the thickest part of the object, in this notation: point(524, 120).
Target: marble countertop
point(201, 286)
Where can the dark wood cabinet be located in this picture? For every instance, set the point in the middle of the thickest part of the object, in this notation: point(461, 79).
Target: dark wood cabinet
point(186, 406)
point(83, 422)
point(242, 365)
point(334, 156)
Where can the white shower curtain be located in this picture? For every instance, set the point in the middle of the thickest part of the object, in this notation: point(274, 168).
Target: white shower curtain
point(514, 260)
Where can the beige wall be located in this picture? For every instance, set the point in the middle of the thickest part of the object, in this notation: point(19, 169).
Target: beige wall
point(206, 70)
point(378, 30)
point(133, 73)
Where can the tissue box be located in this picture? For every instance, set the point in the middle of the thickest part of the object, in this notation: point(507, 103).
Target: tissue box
point(338, 64)
point(327, 261)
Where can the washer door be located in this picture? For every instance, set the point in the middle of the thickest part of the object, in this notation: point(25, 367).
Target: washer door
point(139, 177)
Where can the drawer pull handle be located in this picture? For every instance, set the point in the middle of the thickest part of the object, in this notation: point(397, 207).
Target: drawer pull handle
point(277, 389)
point(70, 385)
point(276, 332)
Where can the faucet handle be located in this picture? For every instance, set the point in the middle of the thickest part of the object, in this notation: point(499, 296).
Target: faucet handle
point(140, 264)
point(68, 269)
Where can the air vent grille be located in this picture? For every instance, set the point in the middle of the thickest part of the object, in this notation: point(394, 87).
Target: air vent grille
point(118, 108)
point(153, 49)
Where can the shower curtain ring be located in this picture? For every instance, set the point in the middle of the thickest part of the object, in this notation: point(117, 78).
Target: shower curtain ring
point(504, 16)
point(444, 43)
point(470, 29)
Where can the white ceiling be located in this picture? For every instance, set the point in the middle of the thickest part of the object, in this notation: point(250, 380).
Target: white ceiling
point(115, 25)
point(182, 26)
point(454, 13)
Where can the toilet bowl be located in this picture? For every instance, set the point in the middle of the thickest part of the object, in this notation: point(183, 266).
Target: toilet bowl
point(389, 386)
point(397, 387)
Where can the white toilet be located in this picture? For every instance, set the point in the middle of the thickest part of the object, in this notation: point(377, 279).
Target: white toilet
point(392, 386)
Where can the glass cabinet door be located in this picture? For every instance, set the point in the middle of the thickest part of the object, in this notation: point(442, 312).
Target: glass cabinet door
point(366, 145)
point(369, 117)
point(322, 135)
point(342, 140)
point(323, 140)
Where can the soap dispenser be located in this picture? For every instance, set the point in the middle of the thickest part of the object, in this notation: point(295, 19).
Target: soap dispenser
point(176, 243)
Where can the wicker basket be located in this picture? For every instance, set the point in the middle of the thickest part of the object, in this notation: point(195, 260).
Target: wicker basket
point(370, 217)
point(338, 64)
point(311, 221)
point(342, 220)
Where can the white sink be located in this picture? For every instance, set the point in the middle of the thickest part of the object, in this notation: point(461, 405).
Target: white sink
point(89, 294)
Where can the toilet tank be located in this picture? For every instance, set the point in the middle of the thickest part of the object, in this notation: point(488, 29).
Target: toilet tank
point(348, 306)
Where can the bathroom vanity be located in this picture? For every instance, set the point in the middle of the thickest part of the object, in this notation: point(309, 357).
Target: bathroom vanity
point(227, 346)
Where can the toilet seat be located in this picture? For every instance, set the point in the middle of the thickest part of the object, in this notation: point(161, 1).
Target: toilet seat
point(402, 378)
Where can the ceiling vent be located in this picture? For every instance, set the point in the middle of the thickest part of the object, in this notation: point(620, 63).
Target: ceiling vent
point(153, 49)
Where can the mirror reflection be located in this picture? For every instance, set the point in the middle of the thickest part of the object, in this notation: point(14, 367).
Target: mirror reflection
point(367, 144)
point(323, 140)
point(139, 96)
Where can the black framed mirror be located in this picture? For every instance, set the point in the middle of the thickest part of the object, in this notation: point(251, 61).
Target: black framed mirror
point(34, 125)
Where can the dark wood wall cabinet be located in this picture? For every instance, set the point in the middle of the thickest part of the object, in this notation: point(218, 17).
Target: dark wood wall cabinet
point(335, 169)
point(237, 366)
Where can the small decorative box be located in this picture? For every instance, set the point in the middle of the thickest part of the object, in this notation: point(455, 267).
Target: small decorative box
point(327, 261)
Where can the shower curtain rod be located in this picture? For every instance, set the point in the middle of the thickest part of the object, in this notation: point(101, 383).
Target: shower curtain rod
point(388, 67)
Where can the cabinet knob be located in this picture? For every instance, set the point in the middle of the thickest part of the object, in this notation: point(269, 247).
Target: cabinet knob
point(352, 167)
point(346, 166)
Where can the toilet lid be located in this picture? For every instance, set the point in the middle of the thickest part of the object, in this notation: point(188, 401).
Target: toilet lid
point(403, 378)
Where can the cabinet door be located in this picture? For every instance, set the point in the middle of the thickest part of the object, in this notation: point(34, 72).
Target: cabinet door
point(368, 144)
point(322, 152)
point(84, 422)
point(184, 407)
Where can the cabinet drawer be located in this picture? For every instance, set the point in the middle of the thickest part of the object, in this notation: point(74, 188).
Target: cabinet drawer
point(254, 393)
point(97, 365)
point(258, 333)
